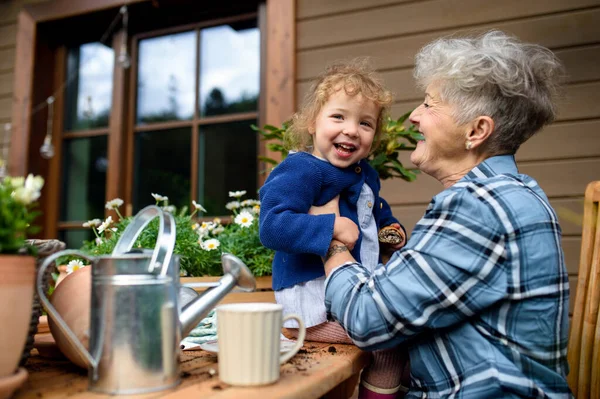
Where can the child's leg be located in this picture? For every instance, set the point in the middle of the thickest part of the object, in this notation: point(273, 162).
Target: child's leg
point(329, 332)
point(383, 377)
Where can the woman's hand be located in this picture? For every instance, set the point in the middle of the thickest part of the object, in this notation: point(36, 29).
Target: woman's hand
point(344, 229)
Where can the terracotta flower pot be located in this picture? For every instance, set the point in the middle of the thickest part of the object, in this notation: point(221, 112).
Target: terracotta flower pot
point(17, 279)
point(71, 299)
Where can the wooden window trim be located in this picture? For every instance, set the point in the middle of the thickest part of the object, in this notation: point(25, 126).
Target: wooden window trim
point(278, 94)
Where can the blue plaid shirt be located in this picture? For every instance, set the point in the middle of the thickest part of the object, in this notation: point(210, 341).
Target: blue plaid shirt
point(479, 294)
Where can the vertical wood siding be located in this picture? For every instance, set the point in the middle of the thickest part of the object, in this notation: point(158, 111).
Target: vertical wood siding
point(564, 157)
point(9, 10)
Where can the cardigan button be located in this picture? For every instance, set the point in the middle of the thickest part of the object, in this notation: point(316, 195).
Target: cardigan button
point(370, 204)
point(357, 169)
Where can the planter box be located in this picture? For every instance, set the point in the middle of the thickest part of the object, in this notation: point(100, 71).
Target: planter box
point(263, 293)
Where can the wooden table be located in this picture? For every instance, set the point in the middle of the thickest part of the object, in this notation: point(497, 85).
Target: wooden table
point(318, 370)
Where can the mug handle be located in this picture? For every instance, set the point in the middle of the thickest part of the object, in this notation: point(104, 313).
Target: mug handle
point(71, 337)
point(299, 341)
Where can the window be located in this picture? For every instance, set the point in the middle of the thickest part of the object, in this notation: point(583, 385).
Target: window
point(197, 95)
point(193, 93)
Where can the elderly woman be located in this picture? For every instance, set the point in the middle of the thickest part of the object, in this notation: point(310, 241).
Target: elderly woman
point(480, 292)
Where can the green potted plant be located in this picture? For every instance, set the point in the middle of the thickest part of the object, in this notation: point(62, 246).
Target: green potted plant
point(199, 241)
point(18, 198)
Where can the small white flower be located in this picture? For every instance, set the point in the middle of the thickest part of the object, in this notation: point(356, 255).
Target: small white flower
point(198, 206)
point(98, 240)
point(195, 226)
point(217, 221)
point(218, 230)
point(74, 265)
point(92, 223)
point(115, 229)
point(211, 244)
point(169, 208)
point(237, 194)
point(105, 224)
point(114, 203)
point(159, 197)
point(232, 205)
point(256, 209)
point(244, 219)
point(29, 190)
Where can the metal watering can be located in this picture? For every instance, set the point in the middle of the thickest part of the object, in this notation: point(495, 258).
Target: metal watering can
point(137, 317)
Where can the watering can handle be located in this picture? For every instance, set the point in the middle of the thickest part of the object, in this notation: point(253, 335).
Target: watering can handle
point(161, 257)
point(64, 328)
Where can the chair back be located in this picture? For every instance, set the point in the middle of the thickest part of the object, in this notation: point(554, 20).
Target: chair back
point(584, 339)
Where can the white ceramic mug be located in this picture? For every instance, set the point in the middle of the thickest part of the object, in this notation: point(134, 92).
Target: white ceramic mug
point(250, 342)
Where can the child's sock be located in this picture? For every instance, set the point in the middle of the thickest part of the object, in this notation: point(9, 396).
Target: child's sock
point(386, 369)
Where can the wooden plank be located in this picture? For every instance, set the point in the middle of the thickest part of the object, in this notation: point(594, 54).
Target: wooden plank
point(6, 84)
point(558, 179)
point(57, 9)
point(569, 211)
point(24, 64)
point(581, 101)
point(10, 9)
point(245, 297)
point(5, 108)
point(572, 292)
point(8, 34)
point(318, 8)
point(7, 59)
point(421, 16)
point(553, 31)
point(572, 249)
point(281, 64)
point(581, 65)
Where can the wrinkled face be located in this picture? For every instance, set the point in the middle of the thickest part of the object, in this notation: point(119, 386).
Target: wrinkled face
point(444, 144)
point(344, 129)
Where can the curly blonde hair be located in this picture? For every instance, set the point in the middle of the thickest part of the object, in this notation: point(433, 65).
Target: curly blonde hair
point(354, 77)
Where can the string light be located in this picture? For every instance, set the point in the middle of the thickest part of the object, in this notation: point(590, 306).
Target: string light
point(47, 149)
point(123, 57)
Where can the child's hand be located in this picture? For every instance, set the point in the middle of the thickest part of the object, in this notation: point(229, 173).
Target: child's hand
point(346, 231)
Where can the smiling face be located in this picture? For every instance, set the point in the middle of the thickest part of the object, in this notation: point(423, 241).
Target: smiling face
point(442, 153)
point(344, 129)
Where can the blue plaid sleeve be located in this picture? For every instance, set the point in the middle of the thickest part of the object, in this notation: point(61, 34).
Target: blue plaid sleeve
point(451, 269)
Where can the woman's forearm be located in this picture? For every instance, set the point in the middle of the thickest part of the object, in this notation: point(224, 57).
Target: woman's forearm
point(337, 255)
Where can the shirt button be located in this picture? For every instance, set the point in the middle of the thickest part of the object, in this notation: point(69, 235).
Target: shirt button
point(357, 169)
point(370, 204)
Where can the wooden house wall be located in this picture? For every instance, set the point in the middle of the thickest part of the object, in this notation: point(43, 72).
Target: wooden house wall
point(9, 10)
point(564, 157)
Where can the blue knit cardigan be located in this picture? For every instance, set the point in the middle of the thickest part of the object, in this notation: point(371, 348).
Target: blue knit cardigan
point(300, 239)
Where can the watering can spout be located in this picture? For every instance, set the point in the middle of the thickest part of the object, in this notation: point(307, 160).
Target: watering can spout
point(236, 273)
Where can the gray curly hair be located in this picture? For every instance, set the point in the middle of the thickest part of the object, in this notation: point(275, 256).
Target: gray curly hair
point(514, 83)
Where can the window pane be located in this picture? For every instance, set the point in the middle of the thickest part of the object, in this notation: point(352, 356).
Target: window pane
point(89, 94)
point(229, 69)
point(227, 162)
point(162, 166)
point(166, 78)
point(84, 179)
point(75, 238)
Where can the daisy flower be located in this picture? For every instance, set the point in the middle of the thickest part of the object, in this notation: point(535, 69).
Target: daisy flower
point(159, 197)
point(237, 194)
point(74, 265)
point(198, 206)
point(92, 223)
point(211, 244)
point(114, 204)
point(105, 224)
point(232, 205)
point(244, 219)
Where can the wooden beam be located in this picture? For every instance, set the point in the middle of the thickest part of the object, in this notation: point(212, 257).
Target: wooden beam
point(281, 63)
point(59, 9)
point(115, 183)
point(22, 94)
